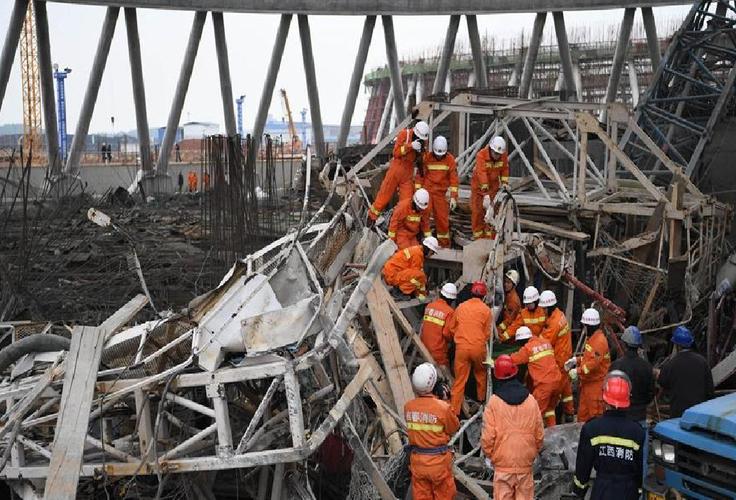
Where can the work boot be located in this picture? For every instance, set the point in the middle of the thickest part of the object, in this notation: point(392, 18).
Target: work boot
point(568, 418)
point(398, 294)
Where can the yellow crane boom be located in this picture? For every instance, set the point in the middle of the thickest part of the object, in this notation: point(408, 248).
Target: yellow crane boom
point(31, 84)
point(295, 141)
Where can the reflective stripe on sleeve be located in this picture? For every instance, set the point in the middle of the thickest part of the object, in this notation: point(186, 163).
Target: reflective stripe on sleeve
point(417, 186)
point(453, 189)
point(373, 209)
point(564, 331)
point(440, 236)
point(578, 483)
point(588, 347)
point(392, 234)
point(567, 399)
point(407, 254)
point(484, 186)
point(436, 321)
point(540, 355)
point(413, 218)
point(585, 369)
point(550, 413)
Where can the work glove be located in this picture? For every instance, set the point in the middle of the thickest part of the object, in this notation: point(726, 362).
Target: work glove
point(453, 204)
point(573, 373)
point(486, 201)
point(416, 145)
point(571, 363)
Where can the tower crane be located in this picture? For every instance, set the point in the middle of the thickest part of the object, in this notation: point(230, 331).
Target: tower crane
point(31, 85)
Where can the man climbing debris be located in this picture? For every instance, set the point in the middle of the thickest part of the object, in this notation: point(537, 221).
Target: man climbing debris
point(531, 316)
point(431, 423)
point(491, 172)
point(439, 176)
point(433, 332)
point(557, 331)
point(409, 218)
point(511, 301)
point(405, 269)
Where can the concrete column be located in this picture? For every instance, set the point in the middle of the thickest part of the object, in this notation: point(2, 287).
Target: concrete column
point(447, 50)
point(271, 74)
point(139, 90)
point(318, 133)
point(223, 64)
point(531, 55)
point(479, 60)
point(578, 81)
point(355, 81)
point(47, 86)
point(12, 37)
point(518, 66)
point(393, 66)
point(633, 82)
point(619, 57)
point(93, 88)
point(564, 48)
point(177, 104)
point(650, 27)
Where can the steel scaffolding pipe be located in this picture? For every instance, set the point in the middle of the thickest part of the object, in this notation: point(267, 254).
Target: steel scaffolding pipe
point(318, 133)
point(531, 56)
point(139, 89)
point(393, 66)
point(223, 65)
point(12, 37)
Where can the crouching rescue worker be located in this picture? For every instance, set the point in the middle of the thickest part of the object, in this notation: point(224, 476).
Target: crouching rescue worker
point(557, 331)
point(511, 301)
point(440, 174)
point(531, 316)
point(408, 147)
point(591, 368)
point(409, 217)
point(470, 328)
point(612, 444)
point(512, 434)
point(436, 316)
point(539, 356)
point(405, 269)
point(430, 423)
point(491, 172)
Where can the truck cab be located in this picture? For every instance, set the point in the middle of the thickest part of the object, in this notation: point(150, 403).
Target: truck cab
point(695, 455)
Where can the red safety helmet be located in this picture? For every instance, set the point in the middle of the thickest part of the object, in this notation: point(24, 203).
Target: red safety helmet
point(504, 368)
point(617, 389)
point(479, 289)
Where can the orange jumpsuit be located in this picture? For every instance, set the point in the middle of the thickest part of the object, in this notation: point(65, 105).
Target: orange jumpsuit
point(470, 327)
point(406, 223)
point(592, 368)
point(405, 269)
point(534, 320)
point(557, 331)
point(488, 176)
point(430, 423)
point(512, 437)
point(539, 355)
point(439, 175)
point(400, 175)
point(511, 308)
point(436, 316)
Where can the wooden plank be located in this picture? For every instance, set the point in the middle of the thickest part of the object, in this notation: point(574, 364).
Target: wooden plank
point(675, 226)
point(557, 231)
point(405, 325)
point(388, 343)
point(123, 316)
point(82, 364)
point(366, 462)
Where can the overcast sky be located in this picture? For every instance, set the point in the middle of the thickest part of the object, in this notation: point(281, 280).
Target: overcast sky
point(74, 32)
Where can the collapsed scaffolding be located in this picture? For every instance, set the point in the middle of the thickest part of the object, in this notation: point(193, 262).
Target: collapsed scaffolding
point(301, 345)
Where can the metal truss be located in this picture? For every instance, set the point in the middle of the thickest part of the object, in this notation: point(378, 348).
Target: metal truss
point(691, 91)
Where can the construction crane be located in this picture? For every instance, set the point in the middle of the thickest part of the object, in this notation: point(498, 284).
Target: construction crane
point(31, 85)
point(296, 143)
point(239, 102)
point(60, 76)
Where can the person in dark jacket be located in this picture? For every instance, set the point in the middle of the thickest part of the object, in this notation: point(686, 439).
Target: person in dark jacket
point(613, 445)
point(640, 373)
point(686, 377)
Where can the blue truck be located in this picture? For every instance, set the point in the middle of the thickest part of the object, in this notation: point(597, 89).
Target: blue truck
point(695, 455)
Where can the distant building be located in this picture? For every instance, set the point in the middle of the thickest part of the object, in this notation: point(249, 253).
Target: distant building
point(197, 130)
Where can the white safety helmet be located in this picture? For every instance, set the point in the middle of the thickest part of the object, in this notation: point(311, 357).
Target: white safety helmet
point(547, 298)
point(591, 317)
point(424, 378)
point(439, 146)
point(421, 130)
point(421, 198)
point(531, 294)
point(523, 333)
point(449, 290)
point(513, 276)
point(498, 145)
point(431, 243)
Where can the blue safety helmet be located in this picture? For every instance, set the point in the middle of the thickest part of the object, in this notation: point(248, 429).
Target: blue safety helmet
point(632, 336)
point(682, 336)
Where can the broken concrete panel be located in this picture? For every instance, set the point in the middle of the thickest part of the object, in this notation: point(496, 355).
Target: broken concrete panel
point(279, 328)
point(290, 284)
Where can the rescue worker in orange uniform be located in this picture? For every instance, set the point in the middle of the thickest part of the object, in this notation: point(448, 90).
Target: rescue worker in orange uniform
point(532, 316)
point(409, 217)
point(557, 331)
point(430, 423)
point(512, 434)
point(511, 301)
point(439, 175)
point(470, 328)
point(436, 316)
point(591, 368)
point(192, 181)
point(409, 145)
point(546, 380)
point(490, 173)
point(405, 269)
